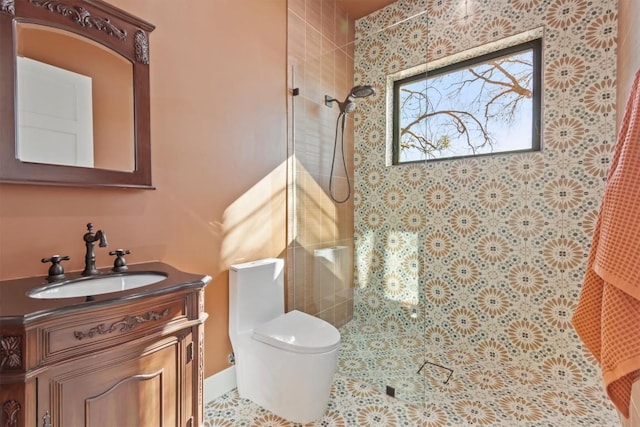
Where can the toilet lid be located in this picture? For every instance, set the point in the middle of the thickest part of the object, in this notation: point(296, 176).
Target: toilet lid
point(298, 332)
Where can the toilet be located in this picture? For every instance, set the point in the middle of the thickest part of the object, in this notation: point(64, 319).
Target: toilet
point(285, 362)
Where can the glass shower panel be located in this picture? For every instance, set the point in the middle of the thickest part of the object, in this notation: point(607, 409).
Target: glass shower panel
point(358, 264)
point(321, 229)
point(390, 221)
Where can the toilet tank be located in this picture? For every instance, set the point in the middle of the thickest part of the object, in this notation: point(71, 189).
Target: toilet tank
point(256, 293)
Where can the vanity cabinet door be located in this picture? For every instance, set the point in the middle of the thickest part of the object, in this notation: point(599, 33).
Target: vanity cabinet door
point(139, 387)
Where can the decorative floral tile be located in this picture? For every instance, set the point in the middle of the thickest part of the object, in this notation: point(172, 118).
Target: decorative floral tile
point(486, 387)
point(499, 243)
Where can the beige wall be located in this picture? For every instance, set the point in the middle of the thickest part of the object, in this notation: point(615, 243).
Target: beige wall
point(218, 135)
point(628, 65)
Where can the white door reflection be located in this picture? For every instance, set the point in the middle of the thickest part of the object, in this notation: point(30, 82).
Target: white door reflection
point(54, 116)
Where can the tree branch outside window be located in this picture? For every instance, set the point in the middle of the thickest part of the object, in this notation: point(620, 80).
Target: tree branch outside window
point(484, 105)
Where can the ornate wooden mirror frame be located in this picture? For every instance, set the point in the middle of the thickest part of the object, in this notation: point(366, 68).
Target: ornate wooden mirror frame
point(104, 24)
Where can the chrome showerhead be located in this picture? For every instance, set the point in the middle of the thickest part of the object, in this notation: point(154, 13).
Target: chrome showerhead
point(362, 91)
point(348, 105)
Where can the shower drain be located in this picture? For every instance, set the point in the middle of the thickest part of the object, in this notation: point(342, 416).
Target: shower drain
point(391, 391)
point(449, 370)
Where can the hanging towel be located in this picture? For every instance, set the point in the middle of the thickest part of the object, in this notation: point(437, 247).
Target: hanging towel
point(607, 318)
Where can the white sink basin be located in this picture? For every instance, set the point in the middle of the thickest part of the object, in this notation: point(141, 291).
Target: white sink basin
point(89, 286)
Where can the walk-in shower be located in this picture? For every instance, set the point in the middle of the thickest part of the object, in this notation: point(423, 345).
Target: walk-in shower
point(450, 280)
point(347, 106)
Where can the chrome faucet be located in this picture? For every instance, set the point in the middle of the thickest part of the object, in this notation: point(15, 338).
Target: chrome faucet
point(90, 257)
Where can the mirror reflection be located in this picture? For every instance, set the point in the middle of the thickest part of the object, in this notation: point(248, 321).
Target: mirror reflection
point(74, 104)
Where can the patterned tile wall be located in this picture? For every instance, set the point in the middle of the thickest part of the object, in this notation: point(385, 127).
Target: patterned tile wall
point(487, 251)
point(320, 253)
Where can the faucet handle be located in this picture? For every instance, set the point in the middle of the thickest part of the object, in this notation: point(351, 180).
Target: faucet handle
point(120, 264)
point(56, 271)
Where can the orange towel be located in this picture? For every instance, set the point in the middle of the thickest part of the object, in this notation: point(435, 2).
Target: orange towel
point(608, 314)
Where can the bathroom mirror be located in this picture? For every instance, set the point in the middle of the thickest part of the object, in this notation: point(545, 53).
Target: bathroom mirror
point(74, 94)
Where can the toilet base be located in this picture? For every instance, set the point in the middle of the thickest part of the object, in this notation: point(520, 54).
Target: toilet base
point(293, 386)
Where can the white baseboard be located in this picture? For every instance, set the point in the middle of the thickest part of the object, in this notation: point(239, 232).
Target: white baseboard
point(218, 384)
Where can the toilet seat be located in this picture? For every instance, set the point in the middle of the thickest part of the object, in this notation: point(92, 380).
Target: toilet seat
point(298, 332)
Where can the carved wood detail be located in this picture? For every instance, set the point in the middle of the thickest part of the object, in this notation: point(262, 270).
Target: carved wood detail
point(141, 45)
point(10, 352)
point(157, 376)
point(125, 325)
point(11, 409)
point(82, 17)
point(201, 301)
point(8, 6)
point(200, 367)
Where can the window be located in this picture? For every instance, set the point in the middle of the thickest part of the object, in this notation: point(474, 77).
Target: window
point(485, 105)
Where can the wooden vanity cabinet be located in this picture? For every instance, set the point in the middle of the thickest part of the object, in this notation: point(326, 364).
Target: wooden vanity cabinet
point(132, 362)
point(142, 387)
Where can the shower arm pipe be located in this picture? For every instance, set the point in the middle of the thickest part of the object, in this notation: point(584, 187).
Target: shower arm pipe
point(348, 105)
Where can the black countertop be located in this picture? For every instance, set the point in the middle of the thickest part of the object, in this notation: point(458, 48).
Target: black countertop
point(17, 308)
